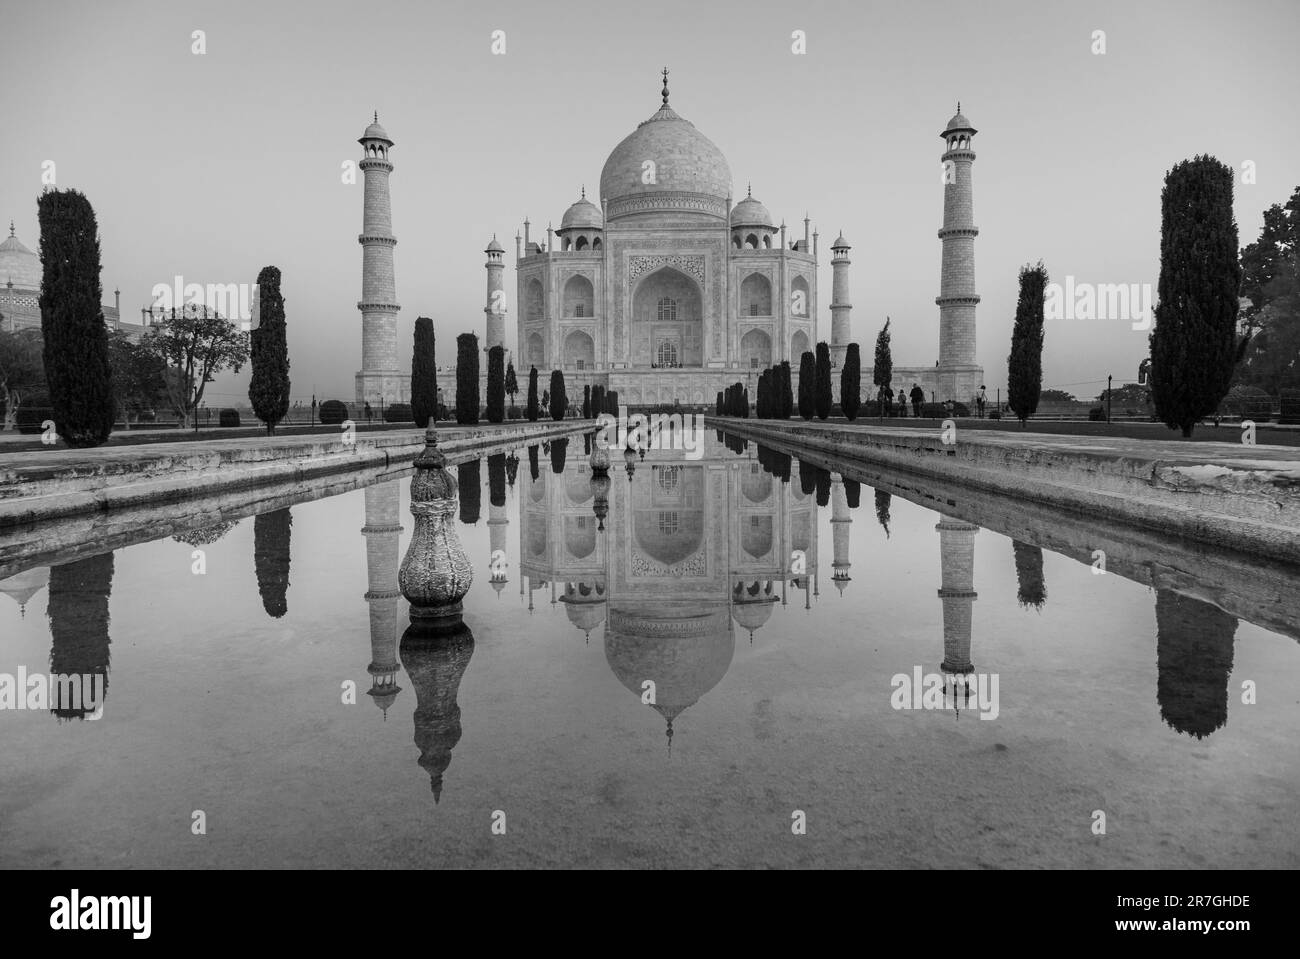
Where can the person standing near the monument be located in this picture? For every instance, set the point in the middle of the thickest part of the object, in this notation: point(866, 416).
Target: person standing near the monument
point(981, 398)
point(918, 397)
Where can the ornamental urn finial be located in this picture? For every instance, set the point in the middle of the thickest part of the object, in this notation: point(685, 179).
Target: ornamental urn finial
point(599, 461)
point(436, 573)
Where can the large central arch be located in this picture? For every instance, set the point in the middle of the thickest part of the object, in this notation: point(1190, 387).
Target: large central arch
point(668, 321)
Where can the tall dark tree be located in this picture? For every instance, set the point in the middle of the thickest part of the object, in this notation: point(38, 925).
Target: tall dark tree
point(807, 385)
point(1031, 590)
point(822, 384)
point(268, 389)
point(512, 383)
point(471, 495)
point(787, 395)
point(531, 411)
point(586, 401)
point(77, 368)
point(882, 373)
point(271, 533)
point(761, 407)
point(720, 409)
point(79, 642)
point(1194, 343)
point(744, 402)
point(496, 385)
point(851, 381)
point(424, 374)
point(558, 450)
point(467, 379)
point(611, 402)
point(1025, 363)
point(883, 500)
point(559, 400)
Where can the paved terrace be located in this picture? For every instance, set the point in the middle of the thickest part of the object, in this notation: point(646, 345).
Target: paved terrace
point(1228, 494)
point(36, 486)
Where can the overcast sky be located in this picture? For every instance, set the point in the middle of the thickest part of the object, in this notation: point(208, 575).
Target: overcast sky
point(212, 166)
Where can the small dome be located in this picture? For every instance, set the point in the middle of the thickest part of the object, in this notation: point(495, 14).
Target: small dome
point(749, 212)
point(19, 265)
point(494, 246)
point(376, 132)
point(583, 215)
point(753, 614)
point(840, 243)
point(958, 122)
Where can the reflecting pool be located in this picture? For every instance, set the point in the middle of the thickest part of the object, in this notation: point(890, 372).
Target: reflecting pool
point(746, 659)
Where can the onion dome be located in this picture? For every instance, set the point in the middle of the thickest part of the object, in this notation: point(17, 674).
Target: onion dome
point(583, 215)
point(376, 132)
point(840, 243)
point(958, 123)
point(690, 174)
point(584, 604)
point(19, 265)
point(749, 212)
point(25, 585)
point(494, 246)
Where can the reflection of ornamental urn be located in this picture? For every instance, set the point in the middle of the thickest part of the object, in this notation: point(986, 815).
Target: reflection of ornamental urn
point(629, 458)
point(599, 461)
point(435, 574)
point(600, 484)
point(436, 664)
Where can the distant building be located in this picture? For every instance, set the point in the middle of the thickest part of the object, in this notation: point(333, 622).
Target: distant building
point(20, 290)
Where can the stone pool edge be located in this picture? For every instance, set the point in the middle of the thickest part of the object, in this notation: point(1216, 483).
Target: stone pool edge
point(1254, 510)
point(108, 479)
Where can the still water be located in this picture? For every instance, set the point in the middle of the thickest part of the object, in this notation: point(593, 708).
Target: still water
point(777, 612)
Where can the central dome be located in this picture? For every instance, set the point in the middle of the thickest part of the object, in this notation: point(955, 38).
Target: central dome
point(19, 265)
point(690, 174)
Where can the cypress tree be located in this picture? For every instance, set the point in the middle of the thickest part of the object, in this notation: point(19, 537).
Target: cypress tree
point(787, 395)
point(1025, 363)
point(424, 374)
point(822, 390)
point(559, 401)
point(77, 368)
point(851, 382)
point(807, 374)
point(611, 403)
point(271, 552)
point(268, 389)
point(761, 410)
point(1193, 344)
point(531, 409)
point(512, 383)
point(533, 472)
point(586, 402)
point(467, 379)
point(744, 402)
point(882, 374)
point(558, 450)
point(720, 410)
point(496, 385)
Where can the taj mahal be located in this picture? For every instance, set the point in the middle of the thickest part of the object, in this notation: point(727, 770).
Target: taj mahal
point(668, 291)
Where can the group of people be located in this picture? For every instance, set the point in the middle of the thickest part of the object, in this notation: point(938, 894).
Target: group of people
point(897, 406)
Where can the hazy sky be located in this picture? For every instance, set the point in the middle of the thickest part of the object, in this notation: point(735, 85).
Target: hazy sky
point(213, 166)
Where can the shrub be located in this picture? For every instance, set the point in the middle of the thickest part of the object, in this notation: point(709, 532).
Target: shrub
point(399, 413)
point(1097, 414)
point(333, 412)
point(514, 413)
point(995, 415)
point(228, 417)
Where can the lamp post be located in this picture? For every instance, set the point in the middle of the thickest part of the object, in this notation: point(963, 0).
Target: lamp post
point(1108, 379)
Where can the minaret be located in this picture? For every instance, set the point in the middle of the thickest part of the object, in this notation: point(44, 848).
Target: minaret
point(959, 377)
point(840, 523)
point(383, 531)
point(840, 305)
point(957, 592)
point(496, 296)
point(380, 376)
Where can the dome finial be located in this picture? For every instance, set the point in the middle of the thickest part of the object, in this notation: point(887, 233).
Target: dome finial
point(665, 86)
point(749, 189)
point(959, 106)
point(11, 227)
point(376, 116)
point(584, 191)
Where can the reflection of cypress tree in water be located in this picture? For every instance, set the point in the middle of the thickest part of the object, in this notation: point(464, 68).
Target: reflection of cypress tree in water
point(78, 613)
point(558, 450)
point(436, 665)
point(807, 478)
point(471, 497)
point(823, 487)
point(533, 472)
point(1031, 589)
point(852, 493)
point(882, 510)
point(1193, 662)
point(586, 444)
point(497, 479)
point(271, 559)
point(512, 468)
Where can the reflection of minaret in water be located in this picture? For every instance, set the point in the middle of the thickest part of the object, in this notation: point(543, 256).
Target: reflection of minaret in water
point(1193, 662)
point(436, 665)
point(383, 532)
point(957, 591)
point(78, 614)
point(498, 522)
point(841, 523)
